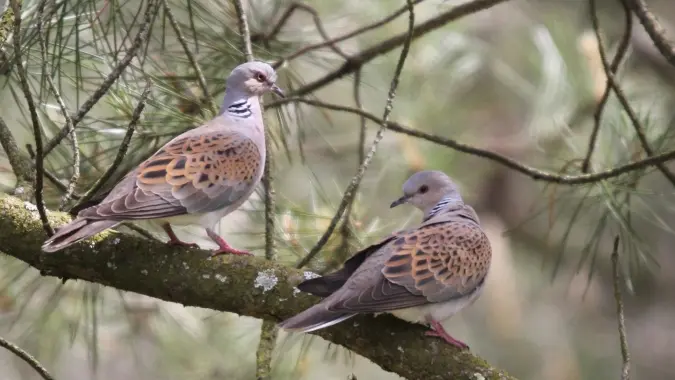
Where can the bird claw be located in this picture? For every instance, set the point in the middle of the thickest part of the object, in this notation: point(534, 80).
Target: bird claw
point(439, 332)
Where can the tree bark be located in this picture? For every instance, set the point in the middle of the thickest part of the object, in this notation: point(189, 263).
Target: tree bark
point(248, 286)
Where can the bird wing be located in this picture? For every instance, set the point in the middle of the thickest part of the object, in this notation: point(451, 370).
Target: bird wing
point(437, 262)
point(196, 172)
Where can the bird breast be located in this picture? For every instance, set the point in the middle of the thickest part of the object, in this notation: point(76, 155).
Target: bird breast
point(437, 311)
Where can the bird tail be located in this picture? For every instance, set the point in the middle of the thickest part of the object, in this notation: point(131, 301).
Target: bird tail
point(75, 231)
point(314, 318)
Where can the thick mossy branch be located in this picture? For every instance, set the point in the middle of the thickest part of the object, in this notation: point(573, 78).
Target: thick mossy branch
point(248, 286)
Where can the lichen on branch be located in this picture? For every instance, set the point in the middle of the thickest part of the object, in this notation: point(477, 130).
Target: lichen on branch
point(248, 286)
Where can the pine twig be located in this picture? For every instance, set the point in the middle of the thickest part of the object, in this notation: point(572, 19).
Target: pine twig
point(654, 29)
point(613, 67)
point(625, 354)
point(26, 357)
point(612, 81)
point(534, 173)
point(121, 152)
point(139, 40)
point(356, 180)
point(268, 330)
point(190, 56)
point(37, 126)
point(70, 187)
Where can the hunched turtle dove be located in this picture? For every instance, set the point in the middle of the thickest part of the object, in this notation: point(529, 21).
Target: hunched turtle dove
point(421, 275)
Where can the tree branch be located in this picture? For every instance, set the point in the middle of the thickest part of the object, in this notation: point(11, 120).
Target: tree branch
point(625, 354)
point(21, 165)
point(654, 29)
point(26, 357)
point(256, 287)
point(356, 61)
point(613, 67)
point(534, 173)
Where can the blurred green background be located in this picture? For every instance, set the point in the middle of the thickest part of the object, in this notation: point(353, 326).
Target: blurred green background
point(521, 79)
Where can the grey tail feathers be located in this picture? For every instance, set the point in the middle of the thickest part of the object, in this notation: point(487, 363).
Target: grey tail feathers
point(75, 231)
point(314, 318)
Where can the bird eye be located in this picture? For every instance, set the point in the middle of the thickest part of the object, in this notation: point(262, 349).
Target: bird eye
point(260, 77)
point(424, 189)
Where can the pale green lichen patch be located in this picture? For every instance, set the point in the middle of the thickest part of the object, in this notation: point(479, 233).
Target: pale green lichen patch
point(266, 280)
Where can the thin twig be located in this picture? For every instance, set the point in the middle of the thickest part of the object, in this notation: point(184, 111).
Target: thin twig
point(21, 165)
point(135, 116)
point(268, 330)
point(317, 22)
point(49, 175)
point(188, 53)
point(345, 230)
point(140, 38)
point(625, 354)
point(37, 127)
point(639, 130)
point(356, 61)
point(334, 41)
point(268, 338)
point(244, 31)
point(356, 180)
point(26, 357)
point(654, 29)
point(614, 67)
point(535, 174)
point(70, 188)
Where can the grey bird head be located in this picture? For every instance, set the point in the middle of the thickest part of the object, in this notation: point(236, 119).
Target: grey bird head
point(426, 189)
point(254, 79)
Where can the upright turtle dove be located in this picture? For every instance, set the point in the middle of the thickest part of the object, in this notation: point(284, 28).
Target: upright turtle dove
point(196, 178)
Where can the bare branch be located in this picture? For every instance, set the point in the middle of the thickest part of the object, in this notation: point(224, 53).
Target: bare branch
point(356, 180)
point(124, 145)
point(244, 30)
point(21, 165)
point(613, 67)
point(112, 259)
point(536, 174)
point(70, 188)
point(367, 55)
point(612, 81)
point(26, 357)
point(654, 29)
point(332, 42)
point(37, 127)
point(268, 337)
point(625, 354)
point(268, 331)
point(317, 22)
point(139, 40)
point(190, 56)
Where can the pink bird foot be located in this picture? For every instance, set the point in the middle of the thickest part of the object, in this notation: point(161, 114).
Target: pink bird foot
point(223, 247)
point(439, 331)
point(174, 240)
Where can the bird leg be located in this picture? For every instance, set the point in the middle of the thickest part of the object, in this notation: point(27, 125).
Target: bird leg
point(223, 247)
point(174, 240)
point(437, 330)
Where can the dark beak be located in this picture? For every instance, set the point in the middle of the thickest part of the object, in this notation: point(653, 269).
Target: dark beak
point(275, 89)
point(399, 201)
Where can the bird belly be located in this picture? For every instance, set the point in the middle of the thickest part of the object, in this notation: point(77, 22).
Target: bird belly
point(437, 311)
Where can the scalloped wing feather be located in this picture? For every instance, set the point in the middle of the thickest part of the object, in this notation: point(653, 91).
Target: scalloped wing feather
point(193, 173)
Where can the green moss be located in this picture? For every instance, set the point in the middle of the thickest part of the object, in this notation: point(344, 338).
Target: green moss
point(228, 283)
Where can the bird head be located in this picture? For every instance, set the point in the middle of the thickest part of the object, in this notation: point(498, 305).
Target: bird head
point(426, 188)
point(254, 79)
